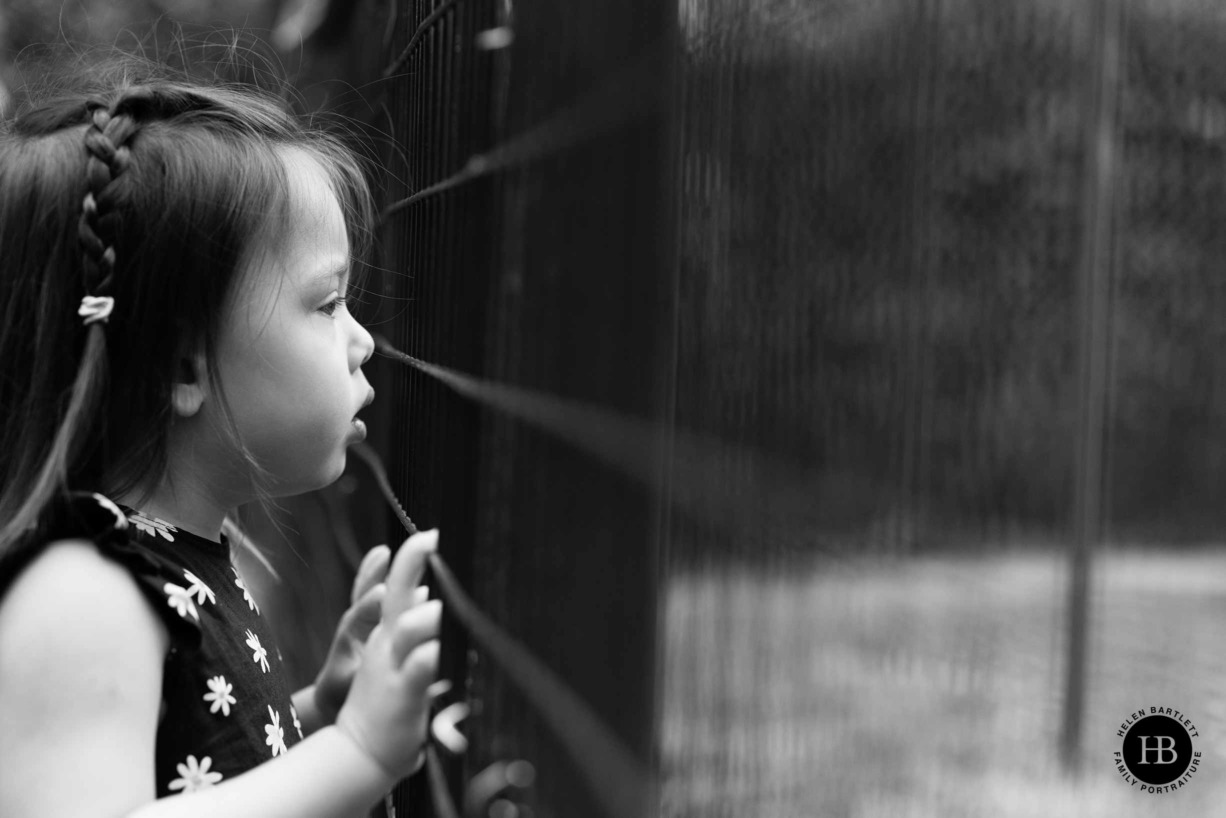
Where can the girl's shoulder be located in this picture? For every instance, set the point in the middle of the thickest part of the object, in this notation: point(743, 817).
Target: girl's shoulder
point(86, 547)
point(71, 593)
point(81, 658)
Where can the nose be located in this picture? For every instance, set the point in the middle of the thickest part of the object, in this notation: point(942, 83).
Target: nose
point(361, 347)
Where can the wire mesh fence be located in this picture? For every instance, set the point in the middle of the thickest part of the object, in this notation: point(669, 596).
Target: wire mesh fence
point(861, 334)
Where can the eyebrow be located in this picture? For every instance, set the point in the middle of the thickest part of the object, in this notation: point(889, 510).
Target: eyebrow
point(341, 272)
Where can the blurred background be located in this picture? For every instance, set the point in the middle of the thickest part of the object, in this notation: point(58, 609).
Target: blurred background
point(831, 393)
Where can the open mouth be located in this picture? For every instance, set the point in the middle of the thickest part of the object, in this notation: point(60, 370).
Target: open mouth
point(358, 424)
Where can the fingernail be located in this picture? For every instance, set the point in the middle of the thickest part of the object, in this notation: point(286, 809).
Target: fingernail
point(438, 688)
point(427, 539)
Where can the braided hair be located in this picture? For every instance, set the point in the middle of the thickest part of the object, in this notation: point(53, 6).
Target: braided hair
point(106, 141)
point(127, 215)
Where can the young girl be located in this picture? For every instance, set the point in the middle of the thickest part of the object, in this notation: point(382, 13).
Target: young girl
point(174, 342)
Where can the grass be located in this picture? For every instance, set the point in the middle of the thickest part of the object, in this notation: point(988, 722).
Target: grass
point(933, 687)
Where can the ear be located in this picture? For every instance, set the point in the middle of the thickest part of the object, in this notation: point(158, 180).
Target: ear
point(189, 390)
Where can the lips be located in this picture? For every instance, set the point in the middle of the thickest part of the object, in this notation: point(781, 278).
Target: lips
point(370, 397)
point(358, 424)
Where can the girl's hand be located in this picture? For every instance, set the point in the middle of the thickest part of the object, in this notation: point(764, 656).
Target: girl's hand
point(345, 655)
point(387, 710)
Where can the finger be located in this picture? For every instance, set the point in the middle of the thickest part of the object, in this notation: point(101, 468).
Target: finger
point(421, 665)
point(420, 594)
point(364, 614)
point(407, 568)
point(373, 567)
point(371, 572)
point(414, 627)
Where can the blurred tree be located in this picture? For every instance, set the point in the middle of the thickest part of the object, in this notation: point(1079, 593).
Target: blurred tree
point(883, 277)
point(155, 27)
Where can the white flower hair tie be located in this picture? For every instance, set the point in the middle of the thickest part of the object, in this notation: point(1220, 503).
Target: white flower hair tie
point(96, 308)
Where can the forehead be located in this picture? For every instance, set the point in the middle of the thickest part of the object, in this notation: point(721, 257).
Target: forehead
point(305, 240)
point(309, 234)
point(315, 220)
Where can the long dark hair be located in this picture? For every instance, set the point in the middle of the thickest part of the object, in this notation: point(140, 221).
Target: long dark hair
point(152, 192)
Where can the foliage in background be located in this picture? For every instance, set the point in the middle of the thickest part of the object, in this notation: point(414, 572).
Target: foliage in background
point(154, 27)
point(884, 278)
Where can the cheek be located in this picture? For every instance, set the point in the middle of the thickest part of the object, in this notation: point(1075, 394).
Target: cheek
point(293, 396)
point(294, 368)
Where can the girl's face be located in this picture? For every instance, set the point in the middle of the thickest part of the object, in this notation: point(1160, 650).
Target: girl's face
point(290, 354)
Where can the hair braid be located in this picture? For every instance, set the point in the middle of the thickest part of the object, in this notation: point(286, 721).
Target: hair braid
point(106, 142)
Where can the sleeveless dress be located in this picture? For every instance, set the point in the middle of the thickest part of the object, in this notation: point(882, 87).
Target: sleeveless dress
point(225, 703)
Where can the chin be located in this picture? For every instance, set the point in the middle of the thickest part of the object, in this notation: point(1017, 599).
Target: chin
point(313, 479)
point(329, 475)
point(337, 469)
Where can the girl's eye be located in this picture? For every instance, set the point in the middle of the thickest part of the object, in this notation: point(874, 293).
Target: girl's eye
point(332, 306)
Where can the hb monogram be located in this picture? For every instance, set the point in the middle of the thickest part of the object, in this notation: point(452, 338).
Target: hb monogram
point(1165, 744)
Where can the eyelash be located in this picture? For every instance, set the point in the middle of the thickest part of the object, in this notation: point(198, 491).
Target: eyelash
point(331, 307)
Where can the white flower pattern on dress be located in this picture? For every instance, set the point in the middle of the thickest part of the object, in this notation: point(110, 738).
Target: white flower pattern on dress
point(194, 776)
point(121, 522)
point(219, 695)
point(179, 599)
point(275, 732)
point(224, 671)
point(153, 526)
point(259, 652)
point(197, 587)
point(246, 594)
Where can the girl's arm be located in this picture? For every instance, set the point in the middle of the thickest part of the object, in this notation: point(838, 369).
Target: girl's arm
point(326, 774)
point(81, 654)
point(308, 711)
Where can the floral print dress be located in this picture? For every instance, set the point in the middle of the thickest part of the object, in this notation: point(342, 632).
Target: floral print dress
point(225, 704)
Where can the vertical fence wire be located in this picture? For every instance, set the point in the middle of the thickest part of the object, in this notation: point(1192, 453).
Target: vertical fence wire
point(1105, 32)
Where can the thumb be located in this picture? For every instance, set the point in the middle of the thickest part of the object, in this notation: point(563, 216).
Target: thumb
point(407, 569)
